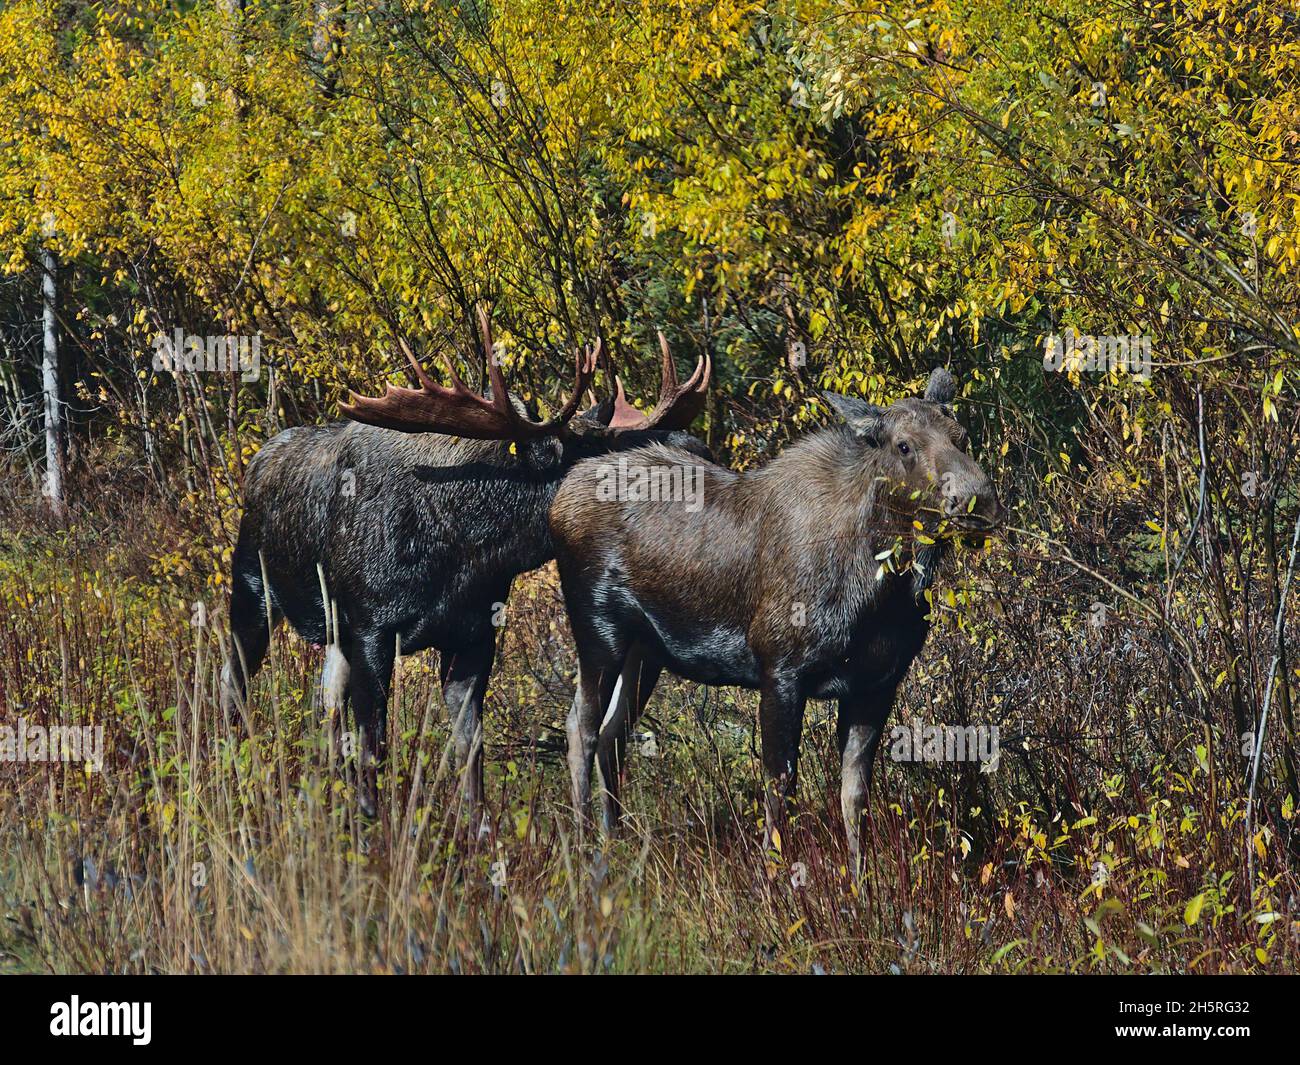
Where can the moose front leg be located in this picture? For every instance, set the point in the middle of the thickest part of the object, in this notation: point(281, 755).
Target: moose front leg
point(372, 672)
point(861, 722)
point(464, 675)
point(780, 719)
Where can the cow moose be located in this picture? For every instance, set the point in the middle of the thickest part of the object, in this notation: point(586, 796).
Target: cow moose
point(778, 579)
point(402, 529)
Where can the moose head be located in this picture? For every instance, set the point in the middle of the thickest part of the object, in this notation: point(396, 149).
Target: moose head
point(918, 448)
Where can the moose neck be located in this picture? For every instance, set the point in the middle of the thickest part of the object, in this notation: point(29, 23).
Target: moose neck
point(835, 492)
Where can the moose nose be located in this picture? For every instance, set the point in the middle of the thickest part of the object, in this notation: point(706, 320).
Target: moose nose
point(960, 493)
point(972, 499)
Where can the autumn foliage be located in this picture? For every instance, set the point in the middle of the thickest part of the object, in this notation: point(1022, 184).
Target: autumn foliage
point(821, 195)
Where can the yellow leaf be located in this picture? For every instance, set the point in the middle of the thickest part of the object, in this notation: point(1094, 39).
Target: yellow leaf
point(1193, 912)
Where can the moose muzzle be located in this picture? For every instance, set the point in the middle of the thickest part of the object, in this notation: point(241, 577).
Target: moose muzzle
point(970, 502)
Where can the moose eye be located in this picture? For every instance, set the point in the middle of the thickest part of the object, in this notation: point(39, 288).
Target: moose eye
point(903, 448)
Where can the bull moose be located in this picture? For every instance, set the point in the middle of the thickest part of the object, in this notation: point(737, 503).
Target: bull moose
point(403, 528)
point(778, 579)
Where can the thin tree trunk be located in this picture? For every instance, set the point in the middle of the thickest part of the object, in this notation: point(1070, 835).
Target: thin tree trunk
point(50, 385)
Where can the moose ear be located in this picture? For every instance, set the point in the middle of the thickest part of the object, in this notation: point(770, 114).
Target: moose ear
point(941, 387)
point(863, 418)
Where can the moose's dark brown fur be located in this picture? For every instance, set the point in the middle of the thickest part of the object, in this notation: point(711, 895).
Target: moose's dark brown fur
point(771, 582)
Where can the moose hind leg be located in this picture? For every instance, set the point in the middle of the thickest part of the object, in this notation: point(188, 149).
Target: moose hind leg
point(635, 684)
point(250, 636)
point(596, 682)
point(334, 676)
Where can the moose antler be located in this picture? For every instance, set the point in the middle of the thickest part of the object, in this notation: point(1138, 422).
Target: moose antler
point(678, 405)
point(458, 411)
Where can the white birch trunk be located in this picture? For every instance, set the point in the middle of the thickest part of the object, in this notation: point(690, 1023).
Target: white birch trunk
point(50, 384)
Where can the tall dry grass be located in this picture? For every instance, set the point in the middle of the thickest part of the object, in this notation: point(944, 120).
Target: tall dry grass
point(201, 847)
